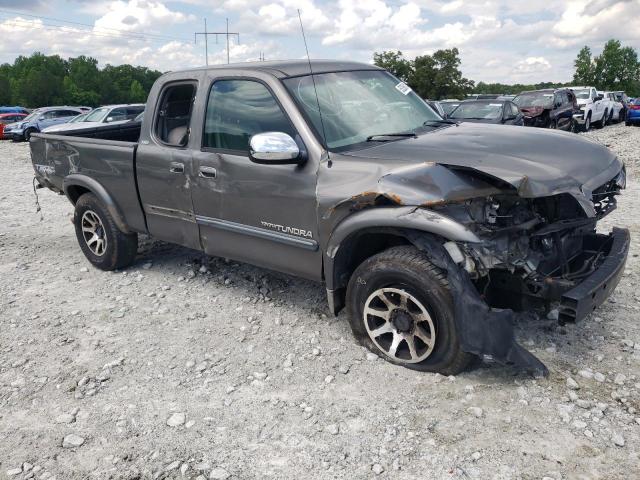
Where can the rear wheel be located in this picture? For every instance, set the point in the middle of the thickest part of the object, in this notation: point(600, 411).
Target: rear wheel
point(553, 124)
point(104, 245)
point(401, 308)
point(587, 123)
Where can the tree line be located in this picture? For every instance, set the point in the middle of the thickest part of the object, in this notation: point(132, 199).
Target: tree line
point(42, 80)
point(438, 76)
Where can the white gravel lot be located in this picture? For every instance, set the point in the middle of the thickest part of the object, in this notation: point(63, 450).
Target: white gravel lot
point(185, 366)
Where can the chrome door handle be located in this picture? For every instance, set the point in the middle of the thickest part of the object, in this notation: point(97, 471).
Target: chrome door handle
point(176, 167)
point(208, 172)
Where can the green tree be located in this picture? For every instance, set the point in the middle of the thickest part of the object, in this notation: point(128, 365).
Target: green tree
point(5, 84)
point(137, 93)
point(584, 74)
point(395, 63)
point(438, 76)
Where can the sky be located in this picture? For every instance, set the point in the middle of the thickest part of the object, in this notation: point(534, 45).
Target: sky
point(517, 41)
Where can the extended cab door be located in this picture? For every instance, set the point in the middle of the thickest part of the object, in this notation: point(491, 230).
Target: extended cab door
point(260, 214)
point(164, 164)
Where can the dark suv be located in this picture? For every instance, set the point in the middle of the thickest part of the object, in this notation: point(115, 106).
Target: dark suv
point(550, 108)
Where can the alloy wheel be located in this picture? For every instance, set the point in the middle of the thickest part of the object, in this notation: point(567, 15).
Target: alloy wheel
point(94, 233)
point(399, 325)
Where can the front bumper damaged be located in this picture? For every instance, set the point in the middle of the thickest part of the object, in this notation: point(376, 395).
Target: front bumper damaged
point(585, 297)
point(488, 331)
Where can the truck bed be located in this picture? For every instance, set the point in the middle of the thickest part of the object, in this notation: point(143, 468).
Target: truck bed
point(72, 164)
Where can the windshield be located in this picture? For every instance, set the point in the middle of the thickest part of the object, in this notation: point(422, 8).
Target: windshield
point(97, 115)
point(534, 99)
point(358, 105)
point(79, 118)
point(582, 93)
point(449, 107)
point(477, 111)
point(30, 117)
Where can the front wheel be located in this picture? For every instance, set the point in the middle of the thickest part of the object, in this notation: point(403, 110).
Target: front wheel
point(27, 134)
point(104, 245)
point(401, 308)
point(553, 125)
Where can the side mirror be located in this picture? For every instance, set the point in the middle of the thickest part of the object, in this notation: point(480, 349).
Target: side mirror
point(274, 148)
point(599, 97)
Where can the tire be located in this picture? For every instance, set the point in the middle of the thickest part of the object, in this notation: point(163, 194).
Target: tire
point(27, 133)
point(394, 274)
point(587, 123)
point(628, 124)
point(553, 125)
point(603, 121)
point(112, 249)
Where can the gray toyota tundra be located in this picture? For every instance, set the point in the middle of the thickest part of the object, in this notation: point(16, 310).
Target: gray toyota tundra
point(437, 237)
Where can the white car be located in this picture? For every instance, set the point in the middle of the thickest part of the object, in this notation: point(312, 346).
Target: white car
point(592, 108)
point(109, 114)
point(616, 107)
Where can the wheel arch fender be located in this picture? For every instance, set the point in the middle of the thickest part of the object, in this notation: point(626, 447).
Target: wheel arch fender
point(368, 232)
point(76, 184)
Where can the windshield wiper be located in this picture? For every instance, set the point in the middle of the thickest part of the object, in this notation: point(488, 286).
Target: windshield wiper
point(430, 123)
point(390, 137)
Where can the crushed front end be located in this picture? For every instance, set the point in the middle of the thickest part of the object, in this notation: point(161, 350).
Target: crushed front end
point(543, 253)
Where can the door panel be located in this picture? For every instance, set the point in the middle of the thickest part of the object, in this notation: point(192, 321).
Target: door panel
point(260, 214)
point(164, 169)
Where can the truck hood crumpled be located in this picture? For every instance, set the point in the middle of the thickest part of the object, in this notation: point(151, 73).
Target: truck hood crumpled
point(534, 162)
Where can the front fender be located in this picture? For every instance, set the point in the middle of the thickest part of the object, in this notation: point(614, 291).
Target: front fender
point(404, 218)
point(85, 182)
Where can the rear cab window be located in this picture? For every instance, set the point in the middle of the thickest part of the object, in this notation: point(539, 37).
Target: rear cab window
point(173, 116)
point(237, 109)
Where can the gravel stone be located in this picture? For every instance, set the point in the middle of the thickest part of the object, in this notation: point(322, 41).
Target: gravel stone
point(572, 384)
point(72, 441)
point(219, 474)
point(176, 419)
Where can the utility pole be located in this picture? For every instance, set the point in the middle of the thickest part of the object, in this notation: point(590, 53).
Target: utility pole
point(206, 34)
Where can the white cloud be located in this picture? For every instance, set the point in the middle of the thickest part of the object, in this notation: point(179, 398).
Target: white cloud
point(533, 64)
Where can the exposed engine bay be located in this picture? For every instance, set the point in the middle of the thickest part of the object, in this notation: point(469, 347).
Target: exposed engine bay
point(533, 250)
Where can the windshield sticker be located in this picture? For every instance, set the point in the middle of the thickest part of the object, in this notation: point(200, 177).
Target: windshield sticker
point(495, 104)
point(403, 88)
point(548, 95)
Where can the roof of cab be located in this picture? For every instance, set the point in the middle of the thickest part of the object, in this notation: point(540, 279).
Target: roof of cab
point(291, 68)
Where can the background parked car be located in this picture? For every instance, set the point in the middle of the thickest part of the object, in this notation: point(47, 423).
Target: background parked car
point(39, 120)
point(488, 111)
point(14, 110)
point(549, 108)
point(625, 100)
point(592, 108)
point(616, 107)
point(112, 114)
point(7, 118)
point(633, 113)
point(449, 106)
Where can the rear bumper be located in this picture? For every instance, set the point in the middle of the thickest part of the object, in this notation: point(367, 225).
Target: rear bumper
point(585, 297)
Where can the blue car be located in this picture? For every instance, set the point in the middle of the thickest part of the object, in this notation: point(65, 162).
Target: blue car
point(13, 110)
point(633, 112)
point(38, 120)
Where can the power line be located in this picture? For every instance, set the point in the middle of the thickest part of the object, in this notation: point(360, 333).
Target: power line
point(121, 32)
point(206, 34)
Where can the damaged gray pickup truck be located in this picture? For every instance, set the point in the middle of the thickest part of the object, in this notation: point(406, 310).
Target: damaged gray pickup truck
point(435, 236)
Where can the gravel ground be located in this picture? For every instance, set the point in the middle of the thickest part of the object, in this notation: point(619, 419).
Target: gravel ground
point(185, 366)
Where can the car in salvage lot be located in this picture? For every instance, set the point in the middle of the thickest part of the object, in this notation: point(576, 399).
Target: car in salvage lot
point(432, 234)
point(8, 118)
point(501, 112)
point(40, 119)
point(592, 108)
point(109, 114)
point(548, 108)
point(633, 113)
